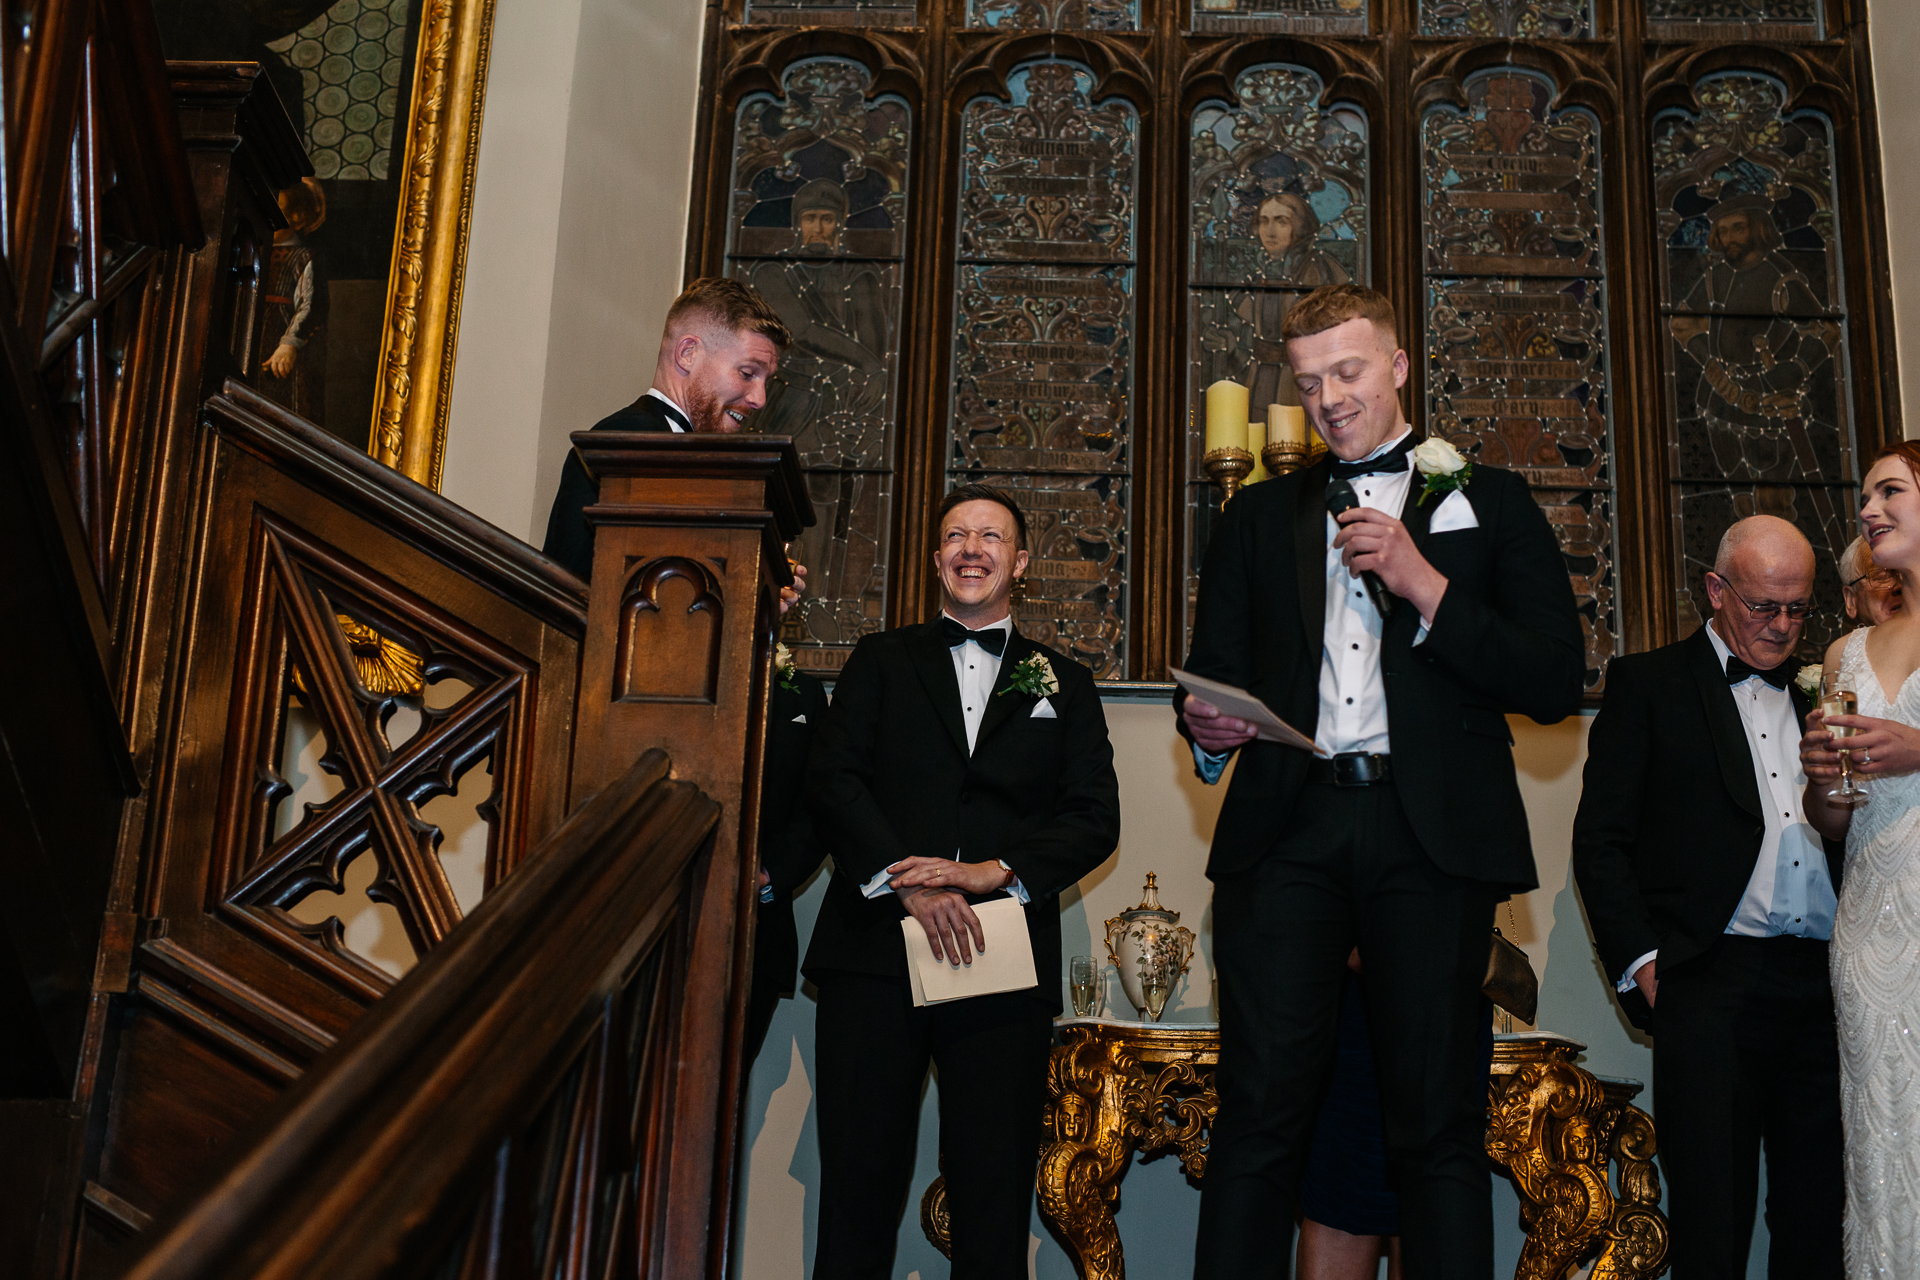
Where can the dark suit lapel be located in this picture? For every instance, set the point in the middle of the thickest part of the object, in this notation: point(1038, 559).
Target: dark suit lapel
point(1723, 723)
point(933, 662)
point(1310, 552)
point(1417, 518)
point(1002, 705)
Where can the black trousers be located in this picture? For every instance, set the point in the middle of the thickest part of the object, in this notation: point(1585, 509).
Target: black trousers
point(1745, 1058)
point(1349, 871)
point(871, 1050)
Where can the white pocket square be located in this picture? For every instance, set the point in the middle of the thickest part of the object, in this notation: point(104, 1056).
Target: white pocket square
point(1454, 513)
point(1043, 710)
point(801, 718)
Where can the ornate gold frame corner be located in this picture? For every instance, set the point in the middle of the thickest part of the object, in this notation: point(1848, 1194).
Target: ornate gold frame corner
point(424, 280)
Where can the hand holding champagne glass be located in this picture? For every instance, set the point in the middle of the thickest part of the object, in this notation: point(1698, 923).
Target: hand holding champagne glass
point(1837, 698)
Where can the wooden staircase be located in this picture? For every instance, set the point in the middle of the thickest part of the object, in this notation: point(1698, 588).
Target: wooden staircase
point(204, 1080)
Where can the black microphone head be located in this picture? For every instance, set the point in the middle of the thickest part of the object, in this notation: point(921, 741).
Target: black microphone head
point(1340, 496)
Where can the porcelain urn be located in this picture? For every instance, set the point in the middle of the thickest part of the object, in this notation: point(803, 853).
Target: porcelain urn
point(1144, 940)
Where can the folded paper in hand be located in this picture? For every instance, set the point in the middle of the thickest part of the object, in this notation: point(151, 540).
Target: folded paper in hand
point(1005, 965)
point(1242, 705)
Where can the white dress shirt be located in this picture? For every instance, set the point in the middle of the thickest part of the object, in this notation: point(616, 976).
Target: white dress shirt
point(1790, 894)
point(1353, 693)
point(673, 404)
point(975, 670)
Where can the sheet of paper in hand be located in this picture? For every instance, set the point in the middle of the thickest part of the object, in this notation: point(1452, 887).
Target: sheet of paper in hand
point(1242, 705)
point(1005, 965)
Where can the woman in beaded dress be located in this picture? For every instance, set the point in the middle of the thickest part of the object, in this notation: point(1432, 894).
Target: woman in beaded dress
point(1875, 956)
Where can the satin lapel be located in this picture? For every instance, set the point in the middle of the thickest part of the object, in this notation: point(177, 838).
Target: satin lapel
point(1310, 550)
point(933, 661)
point(1001, 706)
point(1723, 723)
point(1416, 517)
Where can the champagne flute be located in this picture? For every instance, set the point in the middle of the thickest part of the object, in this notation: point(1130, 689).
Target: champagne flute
point(1155, 985)
point(1084, 980)
point(1837, 698)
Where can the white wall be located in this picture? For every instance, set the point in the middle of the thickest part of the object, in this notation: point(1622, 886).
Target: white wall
point(1894, 36)
point(579, 229)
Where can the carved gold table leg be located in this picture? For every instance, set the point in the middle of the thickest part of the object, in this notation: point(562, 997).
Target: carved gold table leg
point(1637, 1243)
point(1087, 1152)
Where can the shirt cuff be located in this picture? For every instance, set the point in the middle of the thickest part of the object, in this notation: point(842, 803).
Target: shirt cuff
point(766, 893)
point(1420, 636)
point(1016, 890)
point(1210, 765)
point(876, 886)
point(1627, 983)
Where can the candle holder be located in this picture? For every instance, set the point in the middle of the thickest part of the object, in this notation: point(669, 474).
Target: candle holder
point(1281, 458)
point(1227, 468)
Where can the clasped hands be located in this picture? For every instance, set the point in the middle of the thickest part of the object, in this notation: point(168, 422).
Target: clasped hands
point(932, 890)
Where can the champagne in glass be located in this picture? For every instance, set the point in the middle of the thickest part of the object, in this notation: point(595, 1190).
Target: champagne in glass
point(1155, 985)
point(1837, 698)
point(1084, 981)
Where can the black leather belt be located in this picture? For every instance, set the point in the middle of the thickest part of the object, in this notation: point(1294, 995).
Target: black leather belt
point(1351, 769)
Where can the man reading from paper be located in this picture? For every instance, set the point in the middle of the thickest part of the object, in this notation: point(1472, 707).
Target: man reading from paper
point(1400, 836)
point(961, 762)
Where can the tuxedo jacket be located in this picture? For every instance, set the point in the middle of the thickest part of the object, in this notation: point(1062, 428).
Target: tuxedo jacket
point(1504, 639)
point(1669, 825)
point(891, 778)
point(569, 536)
point(789, 853)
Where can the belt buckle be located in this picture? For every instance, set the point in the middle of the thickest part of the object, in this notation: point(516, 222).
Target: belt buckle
point(1352, 770)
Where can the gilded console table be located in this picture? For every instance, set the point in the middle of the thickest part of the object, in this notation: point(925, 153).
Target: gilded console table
point(1118, 1088)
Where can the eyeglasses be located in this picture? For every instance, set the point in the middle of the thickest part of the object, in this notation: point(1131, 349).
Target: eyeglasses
point(1878, 578)
point(1796, 612)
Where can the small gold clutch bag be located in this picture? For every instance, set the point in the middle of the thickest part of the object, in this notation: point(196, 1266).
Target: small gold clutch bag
point(1510, 982)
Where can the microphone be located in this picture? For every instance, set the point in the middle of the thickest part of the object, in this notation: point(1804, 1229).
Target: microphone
point(1341, 497)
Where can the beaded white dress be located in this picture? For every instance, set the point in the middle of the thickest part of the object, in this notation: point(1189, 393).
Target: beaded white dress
point(1875, 962)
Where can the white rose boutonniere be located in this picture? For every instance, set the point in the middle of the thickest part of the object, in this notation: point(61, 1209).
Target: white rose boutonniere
point(1809, 680)
point(1444, 467)
point(1033, 676)
point(785, 669)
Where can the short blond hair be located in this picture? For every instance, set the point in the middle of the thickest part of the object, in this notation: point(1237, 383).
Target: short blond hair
point(1335, 304)
point(727, 304)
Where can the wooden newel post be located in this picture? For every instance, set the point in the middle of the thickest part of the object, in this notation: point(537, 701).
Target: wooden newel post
point(688, 562)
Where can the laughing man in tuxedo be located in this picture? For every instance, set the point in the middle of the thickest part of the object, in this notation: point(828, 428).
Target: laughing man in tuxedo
point(937, 784)
point(1401, 836)
point(1711, 901)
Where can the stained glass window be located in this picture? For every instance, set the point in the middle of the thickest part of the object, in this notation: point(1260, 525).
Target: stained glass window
point(1279, 206)
point(1517, 314)
point(1756, 329)
point(1517, 19)
point(832, 13)
point(1042, 395)
point(1294, 17)
point(1721, 20)
point(819, 228)
point(1054, 15)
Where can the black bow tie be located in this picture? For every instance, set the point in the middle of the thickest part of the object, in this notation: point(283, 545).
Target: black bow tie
point(1393, 460)
point(1738, 670)
point(993, 639)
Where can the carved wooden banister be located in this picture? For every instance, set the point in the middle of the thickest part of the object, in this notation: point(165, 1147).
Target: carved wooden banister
point(403, 1144)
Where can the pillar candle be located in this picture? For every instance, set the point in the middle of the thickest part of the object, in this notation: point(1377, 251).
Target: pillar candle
point(1255, 432)
point(1287, 424)
point(1226, 416)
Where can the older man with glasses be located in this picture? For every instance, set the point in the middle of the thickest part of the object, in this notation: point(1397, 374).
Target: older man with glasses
point(1872, 595)
point(1712, 900)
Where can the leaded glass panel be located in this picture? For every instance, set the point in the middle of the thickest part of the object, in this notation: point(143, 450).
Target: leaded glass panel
point(1516, 19)
point(1279, 206)
point(1293, 17)
point(831, 13)
point(1756, 375)
point(1518, 375)
point(1054, 15)
point(1042, 391)
point(1825, 513)
point(818, 226)
point(1715, 21)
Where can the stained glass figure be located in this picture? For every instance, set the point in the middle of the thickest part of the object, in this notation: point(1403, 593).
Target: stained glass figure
point(1294, 17)
point(1716, 21)
point(1278, 190)
point(1054, 15)
point(832, 13)
point(1042, 389)
point(1517, 317)
point(819, 227)
point(1517, 19)
point(1756, 322)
